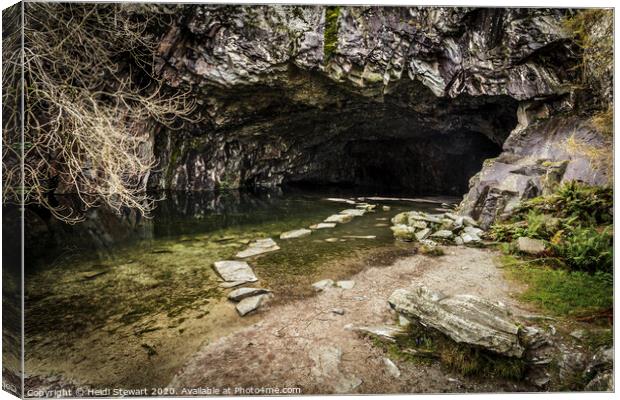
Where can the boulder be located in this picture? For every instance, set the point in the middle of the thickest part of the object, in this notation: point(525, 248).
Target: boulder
point(469, 238)
point(339, 218)
point(323, 284)
point(323, 225)
point(235, 271)
point(530, 246)
point(464, 318)
point(419, 224)
point(250, 304)
point(260, 246)
point(242, 293)
point(297, 233)
point(473, 231)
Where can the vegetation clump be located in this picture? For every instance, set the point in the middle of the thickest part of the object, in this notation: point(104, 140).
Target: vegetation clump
point(574, 273)
point(330, 34)
point(422, 344)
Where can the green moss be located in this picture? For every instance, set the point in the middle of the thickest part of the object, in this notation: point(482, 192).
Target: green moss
point(330, 33)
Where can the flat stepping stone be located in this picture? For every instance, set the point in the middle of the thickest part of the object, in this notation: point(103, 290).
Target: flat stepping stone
point(340, 218)
point(250, 304)
point(235, 271)
point(345, 284)
point(360, 237)
point(323, 225)
point(259, 247)
point(242, 293)
point(339, 200)
point(297, 233)
point(356, 212)
point(228, 285)
point(322, 285)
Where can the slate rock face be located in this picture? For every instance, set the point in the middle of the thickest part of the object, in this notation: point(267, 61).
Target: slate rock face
point(287, 95)
point(464, 318)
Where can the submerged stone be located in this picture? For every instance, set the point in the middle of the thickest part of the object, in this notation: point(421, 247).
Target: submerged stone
point(235, 271)
point(297, 233)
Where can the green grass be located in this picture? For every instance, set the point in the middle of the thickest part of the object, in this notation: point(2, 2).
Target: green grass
point(561, 292)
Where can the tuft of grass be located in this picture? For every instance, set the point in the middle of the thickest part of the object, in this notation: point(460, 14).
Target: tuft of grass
point(330, 34)
point(561, 292)
point(603, 121)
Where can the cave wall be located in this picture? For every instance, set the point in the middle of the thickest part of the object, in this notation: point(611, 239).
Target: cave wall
point(412, 97)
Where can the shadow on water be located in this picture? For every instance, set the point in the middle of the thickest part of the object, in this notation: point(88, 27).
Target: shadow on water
point(113, 292)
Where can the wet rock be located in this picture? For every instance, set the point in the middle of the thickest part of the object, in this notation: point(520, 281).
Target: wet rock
point(530, 246)
point(323, 225)
point(332, 240)
point(353, 212)
point(235, 271)
point(360, 236)
point(339, 218)
point(250, 304)
point(403, 232)
point(242, 293)
point(423, 234)
point(386, 208)
point(391, 368)
point(323, 284)
point(464, 318)
point(259, 247)
point(469, 238)
point(345, 284)
point(443, 234)
point(297, 233)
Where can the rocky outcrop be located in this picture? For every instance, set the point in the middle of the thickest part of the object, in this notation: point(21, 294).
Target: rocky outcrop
point(464, 318)
point(313, 94)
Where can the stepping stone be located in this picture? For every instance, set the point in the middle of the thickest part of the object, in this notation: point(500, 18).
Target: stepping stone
point(345, 284)
point(360, 237)
point(250, 304)
point(353, 212)
point(322, 285)
point(339, 200)
point(386, 208)
point(381, 225)
point(235, 271)
point(242, 293)
point(340, 218)
point(366, 206)
point(323, 225)
point(331, 240)
point(228, 285)
point(297, 233)
point(259, 247)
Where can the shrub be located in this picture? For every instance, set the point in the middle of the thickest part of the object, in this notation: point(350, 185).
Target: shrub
point(587, 249)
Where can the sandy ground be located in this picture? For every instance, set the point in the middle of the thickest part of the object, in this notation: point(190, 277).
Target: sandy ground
point(305, 345)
